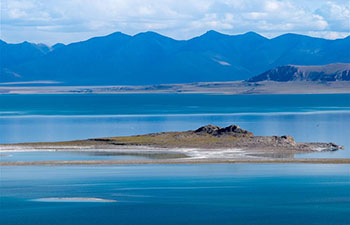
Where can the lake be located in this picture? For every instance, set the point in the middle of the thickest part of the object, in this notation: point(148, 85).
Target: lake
point(261, 194)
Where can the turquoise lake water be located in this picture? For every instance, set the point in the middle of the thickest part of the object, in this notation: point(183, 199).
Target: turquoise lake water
point(174, 194)
point(252, 194)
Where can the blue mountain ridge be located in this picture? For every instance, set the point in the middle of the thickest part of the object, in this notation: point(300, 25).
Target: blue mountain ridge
point(151, 58)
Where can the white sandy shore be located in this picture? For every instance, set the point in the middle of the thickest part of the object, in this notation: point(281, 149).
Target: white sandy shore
point(192, 153)
point(195, 153)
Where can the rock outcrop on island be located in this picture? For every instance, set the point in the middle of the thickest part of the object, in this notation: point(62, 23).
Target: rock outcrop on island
point(218, 131)
point(330, 72)
point(247, 139)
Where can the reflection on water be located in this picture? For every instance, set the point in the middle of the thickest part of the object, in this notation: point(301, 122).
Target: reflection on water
point(65, 155)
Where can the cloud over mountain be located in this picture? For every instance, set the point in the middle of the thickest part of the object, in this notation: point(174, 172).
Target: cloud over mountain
point(51, 21)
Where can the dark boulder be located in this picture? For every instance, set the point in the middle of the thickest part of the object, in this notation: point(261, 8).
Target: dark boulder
point(209, 129)
point(233, 130)
point(285, 140)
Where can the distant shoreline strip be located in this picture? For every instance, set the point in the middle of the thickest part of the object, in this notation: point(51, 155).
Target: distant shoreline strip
point(6, 116)
point(143, 162)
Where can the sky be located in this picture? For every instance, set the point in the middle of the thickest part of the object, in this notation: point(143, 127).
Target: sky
point(66, 21)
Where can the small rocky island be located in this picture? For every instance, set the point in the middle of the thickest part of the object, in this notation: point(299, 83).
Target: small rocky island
point(215, 137)
point(207, 144)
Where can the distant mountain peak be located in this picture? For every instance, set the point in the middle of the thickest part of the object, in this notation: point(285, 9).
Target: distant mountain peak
point(252, 36)
point(294, 36)
point(149, 34)
point(117, 33)
point(57, 46)
point(213, 34)
point(252, 33)
point(26, 43)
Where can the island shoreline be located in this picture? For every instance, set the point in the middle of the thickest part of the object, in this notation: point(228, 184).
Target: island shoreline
point(170, 162)
point(207, 144)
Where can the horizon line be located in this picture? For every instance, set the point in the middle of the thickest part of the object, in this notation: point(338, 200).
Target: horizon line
point(158, 33)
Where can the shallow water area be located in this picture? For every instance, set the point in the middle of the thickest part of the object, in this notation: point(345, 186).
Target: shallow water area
point(24, 156)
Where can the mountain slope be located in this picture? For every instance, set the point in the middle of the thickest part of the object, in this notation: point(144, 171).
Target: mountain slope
point(150, 58)
point(13, 54)
point(330, 72)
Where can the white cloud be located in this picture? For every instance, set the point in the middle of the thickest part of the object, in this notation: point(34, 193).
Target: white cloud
point(338, 16)
point(53, 21)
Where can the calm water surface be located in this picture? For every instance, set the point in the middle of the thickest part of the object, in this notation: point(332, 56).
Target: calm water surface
point(252, 194)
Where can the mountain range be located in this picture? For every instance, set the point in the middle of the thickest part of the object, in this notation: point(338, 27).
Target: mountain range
point(150, 58)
